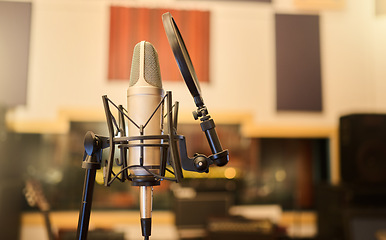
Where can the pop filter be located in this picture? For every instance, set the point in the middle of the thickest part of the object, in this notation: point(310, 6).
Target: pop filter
point(182, 57)
point(220, 157)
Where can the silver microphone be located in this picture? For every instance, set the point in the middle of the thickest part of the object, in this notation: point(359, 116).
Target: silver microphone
point(143, 96)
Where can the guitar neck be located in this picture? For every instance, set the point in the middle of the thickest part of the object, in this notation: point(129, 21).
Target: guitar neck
point(35, 198)
point(47, 222)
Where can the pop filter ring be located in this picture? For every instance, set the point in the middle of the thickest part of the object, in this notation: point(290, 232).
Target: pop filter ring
point(182, 57)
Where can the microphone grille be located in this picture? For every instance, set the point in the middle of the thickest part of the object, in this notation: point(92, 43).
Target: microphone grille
point(151, 69)
point(135, 65)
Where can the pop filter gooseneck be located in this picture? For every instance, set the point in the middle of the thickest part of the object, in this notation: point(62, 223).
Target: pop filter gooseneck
point(220, 157)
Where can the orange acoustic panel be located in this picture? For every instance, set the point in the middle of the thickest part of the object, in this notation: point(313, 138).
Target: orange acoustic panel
point(128, 26)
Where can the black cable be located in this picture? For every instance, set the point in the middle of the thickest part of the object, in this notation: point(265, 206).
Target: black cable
point(170, 171)
point(116, 175)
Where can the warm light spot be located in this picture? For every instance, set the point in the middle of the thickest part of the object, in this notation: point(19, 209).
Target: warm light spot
point(280, 175)
point(230, 173)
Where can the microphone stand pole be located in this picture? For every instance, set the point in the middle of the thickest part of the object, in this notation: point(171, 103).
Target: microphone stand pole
point(84, 215)
point(91, 162)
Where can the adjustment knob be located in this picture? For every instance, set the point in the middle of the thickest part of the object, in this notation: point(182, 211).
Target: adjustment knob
point(201, 163)
point(195, 115)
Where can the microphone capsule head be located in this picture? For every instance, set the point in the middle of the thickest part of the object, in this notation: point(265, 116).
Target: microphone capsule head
point(145, 55)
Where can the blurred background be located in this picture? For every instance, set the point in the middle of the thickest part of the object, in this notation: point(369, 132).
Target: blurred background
point(296, 88)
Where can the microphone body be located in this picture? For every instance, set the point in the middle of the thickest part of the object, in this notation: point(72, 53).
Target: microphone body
point(143, 97)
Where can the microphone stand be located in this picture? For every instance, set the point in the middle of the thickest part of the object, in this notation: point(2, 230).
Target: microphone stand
point(91, 162)
point(84, 214)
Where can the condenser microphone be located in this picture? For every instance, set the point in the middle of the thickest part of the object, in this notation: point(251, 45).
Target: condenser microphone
point(143, 97)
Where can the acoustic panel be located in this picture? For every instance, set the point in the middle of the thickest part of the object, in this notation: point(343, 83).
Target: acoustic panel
point(15, 26)
point(298, 70)
point(128, 26)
